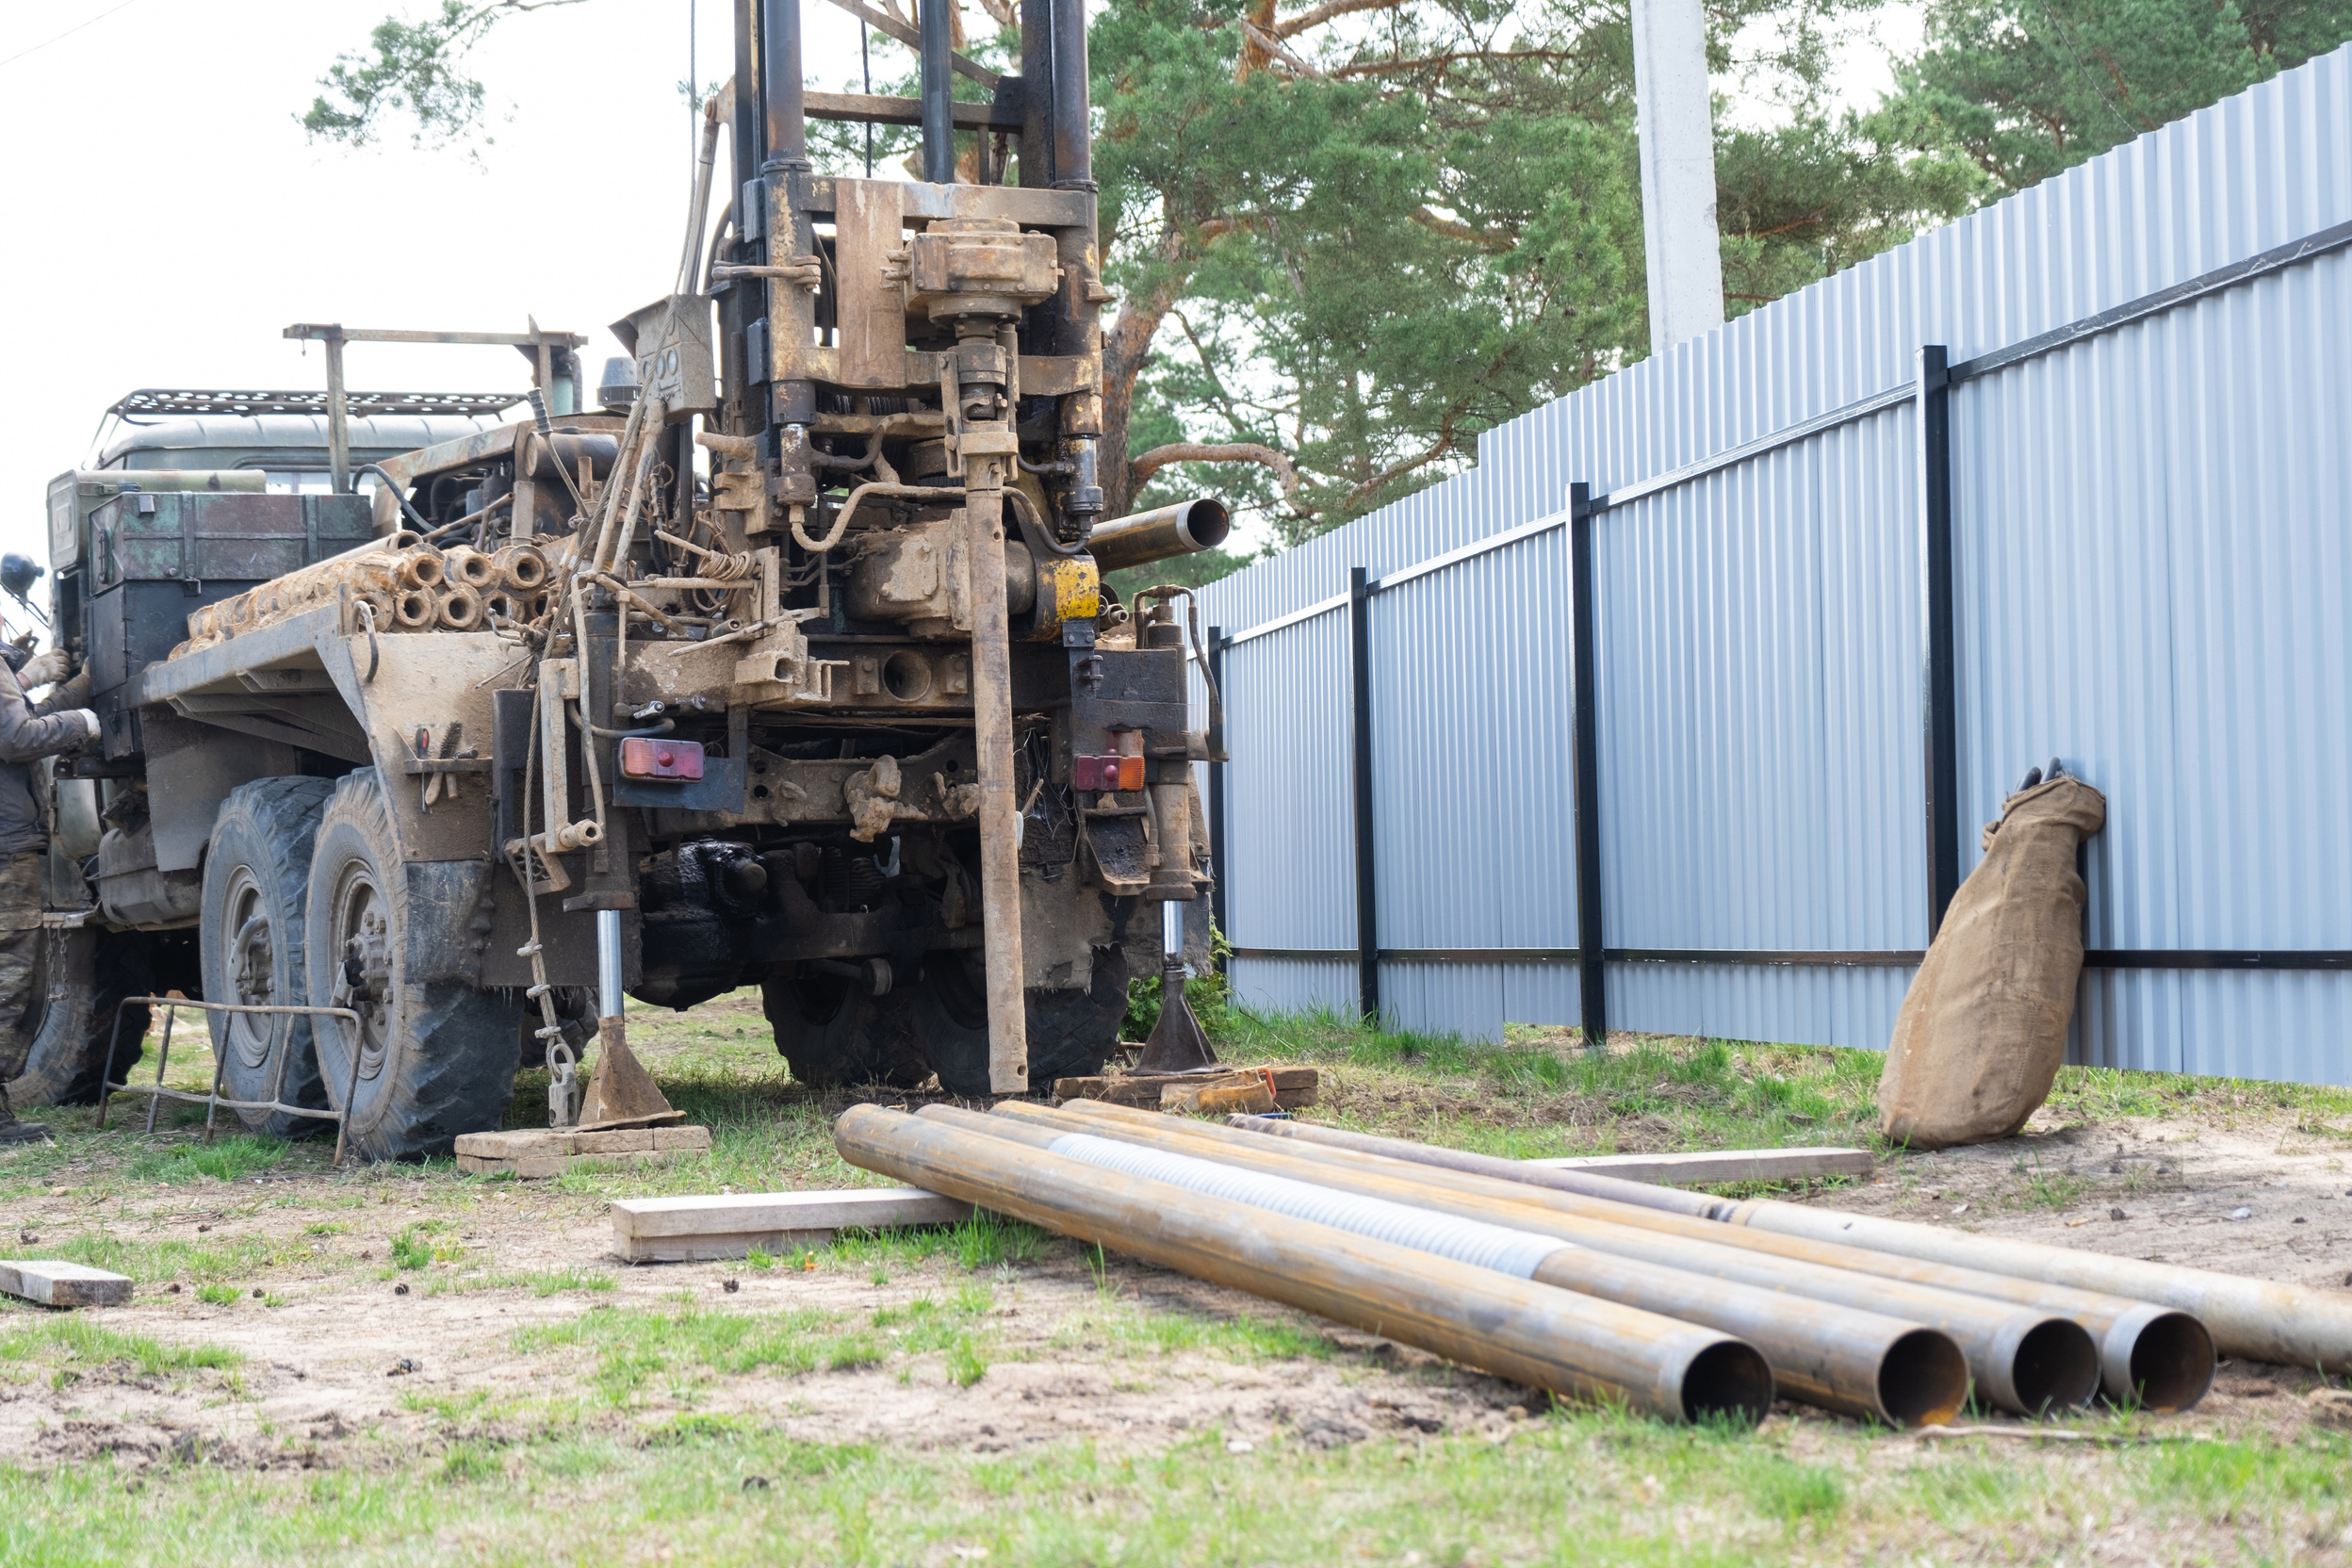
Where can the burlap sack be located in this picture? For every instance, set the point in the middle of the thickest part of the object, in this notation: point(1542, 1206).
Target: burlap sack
point(1983, 1028)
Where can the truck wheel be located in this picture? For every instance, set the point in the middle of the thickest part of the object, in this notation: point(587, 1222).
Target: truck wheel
point(1070, 1032)
point(833, 1034)
point(251, 934)
point(436, 1057)
point(84, 975)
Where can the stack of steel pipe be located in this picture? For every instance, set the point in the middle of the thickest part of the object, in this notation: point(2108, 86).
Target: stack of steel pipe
point(1857, 1328)
point(2258, 1320)
point(406, 584)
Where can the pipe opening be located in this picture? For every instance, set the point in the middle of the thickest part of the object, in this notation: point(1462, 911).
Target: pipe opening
point(2056, 1367)
point(1730, 1381)
point(2172, 1362)
point(1923, 1380)
point(1206, 523)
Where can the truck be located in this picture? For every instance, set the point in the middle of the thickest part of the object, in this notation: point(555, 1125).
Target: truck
point(790, 664)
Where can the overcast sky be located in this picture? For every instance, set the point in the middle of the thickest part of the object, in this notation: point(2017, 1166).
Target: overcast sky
point(168, 219)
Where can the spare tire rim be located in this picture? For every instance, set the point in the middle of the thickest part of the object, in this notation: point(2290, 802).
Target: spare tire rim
point(252, 961)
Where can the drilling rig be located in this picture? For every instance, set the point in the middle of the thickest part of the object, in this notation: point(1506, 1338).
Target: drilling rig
point(790, 665)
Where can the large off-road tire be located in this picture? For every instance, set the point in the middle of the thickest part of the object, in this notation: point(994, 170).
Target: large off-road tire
point(84, 975)
point(834, 1035)
point(436, 1057)
point(1070, 1032)
point(252, 934)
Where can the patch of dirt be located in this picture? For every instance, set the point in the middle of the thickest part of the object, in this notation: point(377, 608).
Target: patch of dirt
point(2252, 1196)
point(322, 1381)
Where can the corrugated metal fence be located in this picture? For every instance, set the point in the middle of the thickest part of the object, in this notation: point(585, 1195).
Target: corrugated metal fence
point(2071, 477)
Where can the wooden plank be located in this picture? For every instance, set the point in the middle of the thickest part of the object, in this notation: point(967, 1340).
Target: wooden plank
point(1716, 1166)
point(861, 108)
point(63, 1284)
point(534, 1152)
point(719, 1248)
point(1294, 1087)
point(851, 1208)
point(680, 1230)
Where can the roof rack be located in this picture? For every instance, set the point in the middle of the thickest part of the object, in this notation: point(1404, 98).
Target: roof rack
point(151, 401)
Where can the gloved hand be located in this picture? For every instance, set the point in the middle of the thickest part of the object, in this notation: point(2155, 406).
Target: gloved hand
point(45, 669)
point(89, 721)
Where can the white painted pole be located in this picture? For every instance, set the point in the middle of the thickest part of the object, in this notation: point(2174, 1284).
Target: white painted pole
point(1676, 124)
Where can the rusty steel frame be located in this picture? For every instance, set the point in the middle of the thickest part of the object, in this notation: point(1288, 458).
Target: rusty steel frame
point(212, 1102)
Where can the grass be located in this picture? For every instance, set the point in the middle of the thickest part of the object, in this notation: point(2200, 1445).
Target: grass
point(233, 1158)
point(673, 1425)
point(635, 1349)
point(1583, 1488)
point(82, 1340)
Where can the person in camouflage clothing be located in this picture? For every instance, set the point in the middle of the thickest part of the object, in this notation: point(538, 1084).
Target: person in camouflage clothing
point(27, 734)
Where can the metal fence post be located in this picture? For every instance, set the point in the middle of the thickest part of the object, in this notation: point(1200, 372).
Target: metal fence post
point(1360, 745)
point(1592, 1005)
point(1938, 681)
point(1220, 773)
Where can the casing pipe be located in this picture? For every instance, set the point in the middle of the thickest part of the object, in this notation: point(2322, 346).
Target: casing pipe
point(1511, 1328)
point(2024, 1359)
point(1164, 533)
point(1862, 1364)
point(2159, 1356)
point(2261, 1319)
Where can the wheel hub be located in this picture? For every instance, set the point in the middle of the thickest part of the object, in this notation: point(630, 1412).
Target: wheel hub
point(251, 963)
point(364, 973)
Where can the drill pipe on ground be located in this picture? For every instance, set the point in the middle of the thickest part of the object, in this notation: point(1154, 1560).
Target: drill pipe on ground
point(2258, 1320)
point(1698, 1205)
point(1514, 1329)
point(2162, 1358)
point(2025, 1358)
point(1862, 1364)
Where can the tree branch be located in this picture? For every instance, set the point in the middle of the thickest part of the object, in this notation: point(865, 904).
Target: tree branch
point(1318, 15)
point(1142, 468)
point(1487, 239)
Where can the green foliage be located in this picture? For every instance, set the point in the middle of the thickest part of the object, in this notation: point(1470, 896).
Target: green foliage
point(412, 69)
point(1209, 996)
point(2024, 89)
point(218, 1296)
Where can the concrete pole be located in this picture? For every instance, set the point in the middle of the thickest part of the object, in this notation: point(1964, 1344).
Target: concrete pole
point(1678, 129)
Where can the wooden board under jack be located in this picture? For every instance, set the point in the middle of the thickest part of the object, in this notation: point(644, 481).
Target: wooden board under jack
point(544, 1152)
point(1294, 1087)
point(52, 1283)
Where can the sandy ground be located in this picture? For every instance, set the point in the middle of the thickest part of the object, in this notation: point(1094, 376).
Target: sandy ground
point(323, 1382)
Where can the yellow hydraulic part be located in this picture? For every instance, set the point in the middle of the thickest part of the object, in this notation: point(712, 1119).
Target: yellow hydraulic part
point(1070, 588)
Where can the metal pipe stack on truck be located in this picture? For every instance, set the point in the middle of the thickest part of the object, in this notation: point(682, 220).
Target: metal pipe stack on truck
point(791, 666)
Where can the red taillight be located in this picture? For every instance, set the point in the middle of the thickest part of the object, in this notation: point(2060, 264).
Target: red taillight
point(644, 758)
point(1106, 773)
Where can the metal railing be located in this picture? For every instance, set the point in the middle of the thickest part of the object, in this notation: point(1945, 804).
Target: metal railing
point(212, 1102)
